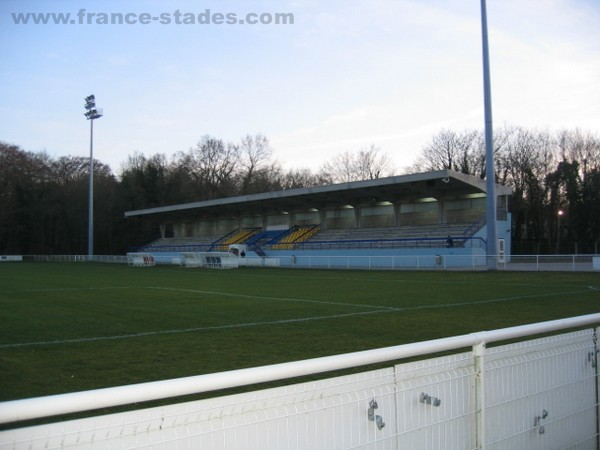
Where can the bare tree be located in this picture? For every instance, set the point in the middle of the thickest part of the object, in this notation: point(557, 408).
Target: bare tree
point(365, 164)
point(299, 178)
point(373, 164)
point(255, 155)
point(524, 152)
point(451, 150)
point(524, 162)
point(67, 169)
point(211, 166)
point(584, 147)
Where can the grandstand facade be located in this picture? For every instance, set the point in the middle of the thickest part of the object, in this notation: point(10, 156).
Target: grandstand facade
point(435, 212)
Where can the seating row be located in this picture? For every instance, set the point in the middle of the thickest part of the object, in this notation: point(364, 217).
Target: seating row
point(402, 232)
point(313, 234)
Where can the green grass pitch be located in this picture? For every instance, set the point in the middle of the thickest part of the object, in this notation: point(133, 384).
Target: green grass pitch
point(75, 326)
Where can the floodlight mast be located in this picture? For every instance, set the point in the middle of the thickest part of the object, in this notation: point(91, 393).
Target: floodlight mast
point(91, 113)
point(490, 174)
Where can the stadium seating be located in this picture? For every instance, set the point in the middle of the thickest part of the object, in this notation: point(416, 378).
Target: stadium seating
point(433, 235)
point(238, 236)
point(196, 243)
point(313, 237)
point(265, 237)
point(295, 235)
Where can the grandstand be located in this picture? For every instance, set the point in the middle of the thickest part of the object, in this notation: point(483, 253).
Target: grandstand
point(407, 214)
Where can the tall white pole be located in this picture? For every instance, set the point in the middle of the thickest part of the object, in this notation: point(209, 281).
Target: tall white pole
point(489, 148)
point(91, 113)
point(91, 195)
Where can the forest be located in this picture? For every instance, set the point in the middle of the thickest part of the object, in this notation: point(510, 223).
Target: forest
point(555, 177)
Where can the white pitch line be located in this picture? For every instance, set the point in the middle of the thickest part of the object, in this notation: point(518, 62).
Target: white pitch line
point(284, 299)
point(494, 300)
point(187, 330)
point(409, 280)
point(284, 321)
point(382, 308)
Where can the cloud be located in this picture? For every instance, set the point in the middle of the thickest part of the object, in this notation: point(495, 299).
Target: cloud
point(344, 76)
point(417, 69)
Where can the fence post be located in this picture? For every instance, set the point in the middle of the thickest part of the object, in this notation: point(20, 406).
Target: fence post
point(596, 372)
point(479, 394)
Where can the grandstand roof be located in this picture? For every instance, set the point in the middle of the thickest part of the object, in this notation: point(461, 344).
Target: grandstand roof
point(437, 184)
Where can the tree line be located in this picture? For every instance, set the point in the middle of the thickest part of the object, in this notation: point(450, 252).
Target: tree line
point(44, 200)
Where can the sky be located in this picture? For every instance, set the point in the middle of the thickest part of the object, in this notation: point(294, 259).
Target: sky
point(343, 76)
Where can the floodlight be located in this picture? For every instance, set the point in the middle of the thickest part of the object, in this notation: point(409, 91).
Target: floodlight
point(90, 102)
point(94, 113)
point(91, 114)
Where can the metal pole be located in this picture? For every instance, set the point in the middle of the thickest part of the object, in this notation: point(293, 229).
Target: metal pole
point(479, 351)
point(91, 114)
point(91, 195)
point(489, 148)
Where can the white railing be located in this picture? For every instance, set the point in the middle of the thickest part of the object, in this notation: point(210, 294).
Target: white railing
point(569, 263)
point(78, 258)
point(536, 394)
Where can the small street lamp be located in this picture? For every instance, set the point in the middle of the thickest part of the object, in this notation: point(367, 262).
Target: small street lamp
point(91, 113)
point(559, 215)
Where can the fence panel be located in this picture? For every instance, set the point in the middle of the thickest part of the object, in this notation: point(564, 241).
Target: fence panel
point(326, 414)
point(538, 394)
point(435, 403)
point(474, 261)
point(541, 394)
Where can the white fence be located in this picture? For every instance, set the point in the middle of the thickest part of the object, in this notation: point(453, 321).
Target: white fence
point(535, 394)
point(78, 258)
point(568, 263)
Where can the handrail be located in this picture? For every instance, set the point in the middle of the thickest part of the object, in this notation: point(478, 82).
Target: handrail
point(177, 248)
point(474, 227)
point(19, 410)
point(377, 243)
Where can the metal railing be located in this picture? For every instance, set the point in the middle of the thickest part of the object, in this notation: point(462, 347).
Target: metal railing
point(536, 394)
point(568, 263)
point(443, 261)
point(122, 259)
point(416, 243)
point(540, 263)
